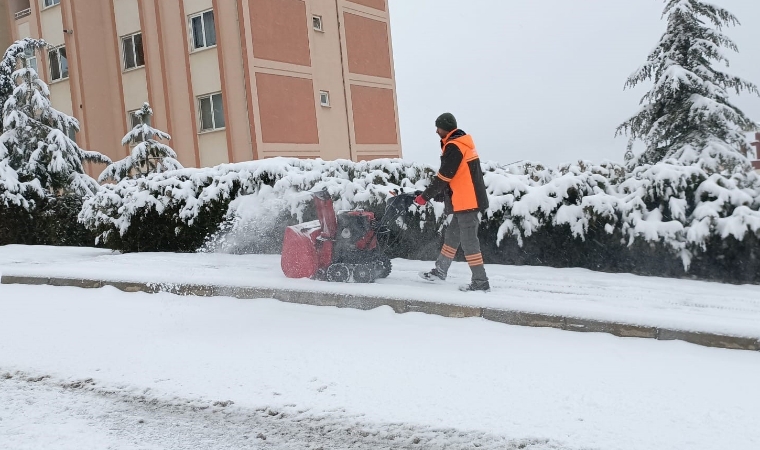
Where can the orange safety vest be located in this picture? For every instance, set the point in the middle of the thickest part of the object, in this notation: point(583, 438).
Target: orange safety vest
point(463, 197)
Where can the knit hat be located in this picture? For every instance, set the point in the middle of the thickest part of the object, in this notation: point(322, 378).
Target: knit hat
point(446, 122)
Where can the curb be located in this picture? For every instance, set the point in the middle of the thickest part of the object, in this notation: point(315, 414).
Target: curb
point(366, 303)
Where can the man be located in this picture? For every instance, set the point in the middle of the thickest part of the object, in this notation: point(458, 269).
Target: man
point(460, 181)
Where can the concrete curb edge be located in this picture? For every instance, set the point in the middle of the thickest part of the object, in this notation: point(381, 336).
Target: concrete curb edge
point(400, 306)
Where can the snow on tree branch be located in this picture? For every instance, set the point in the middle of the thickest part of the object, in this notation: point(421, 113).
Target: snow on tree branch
point(35, 144)
point(687, 117)
point(680, 207)
point(147, 156)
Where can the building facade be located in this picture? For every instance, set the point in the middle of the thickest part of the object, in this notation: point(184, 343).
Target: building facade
point(5, 29)
point(230, 80)
point(756, 144)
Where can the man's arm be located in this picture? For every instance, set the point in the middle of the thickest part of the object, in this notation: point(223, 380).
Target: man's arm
point(450, 162)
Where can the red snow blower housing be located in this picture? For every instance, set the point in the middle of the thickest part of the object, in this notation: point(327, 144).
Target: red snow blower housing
point(341, 247)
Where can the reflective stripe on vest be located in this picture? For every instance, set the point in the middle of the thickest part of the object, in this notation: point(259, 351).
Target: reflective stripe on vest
point(463, 197)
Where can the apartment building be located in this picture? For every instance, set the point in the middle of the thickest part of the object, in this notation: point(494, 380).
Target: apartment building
point(230, 80)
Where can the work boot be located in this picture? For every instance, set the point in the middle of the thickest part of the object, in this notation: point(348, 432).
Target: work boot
point(476, 286)
point(433, 276)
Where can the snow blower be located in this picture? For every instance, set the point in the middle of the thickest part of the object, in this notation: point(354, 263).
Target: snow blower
point(341, 247)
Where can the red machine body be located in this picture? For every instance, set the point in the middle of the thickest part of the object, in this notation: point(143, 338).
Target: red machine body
point(336, 247)
point(302, 252)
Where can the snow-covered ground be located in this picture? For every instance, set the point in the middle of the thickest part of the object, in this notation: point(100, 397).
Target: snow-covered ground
point(103, 369)
point(663, 302)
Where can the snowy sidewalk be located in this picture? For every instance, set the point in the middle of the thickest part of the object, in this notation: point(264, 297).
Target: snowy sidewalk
point(575, 299)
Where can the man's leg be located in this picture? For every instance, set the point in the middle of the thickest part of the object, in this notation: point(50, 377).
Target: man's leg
point(449, 250)
point(450, 246)
point(468, 224)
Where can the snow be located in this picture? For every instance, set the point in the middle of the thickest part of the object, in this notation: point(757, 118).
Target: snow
point(655, 203)
point(174, 362)
point(661, 302)
point(705, 130)
point(147, 156)
point(59, 415)
point(34, 142)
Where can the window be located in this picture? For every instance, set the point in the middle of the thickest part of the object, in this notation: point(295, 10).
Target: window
point(324, 98)
point(317, 22)
point(31, 58)
point(72, 134)
point(211, 112)
point(133, 51)
point(59, 65)
point(133, 119)
point(204, 30)
point(49, 3)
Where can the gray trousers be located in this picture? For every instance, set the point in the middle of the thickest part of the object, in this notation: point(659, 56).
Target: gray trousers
point(463, 230)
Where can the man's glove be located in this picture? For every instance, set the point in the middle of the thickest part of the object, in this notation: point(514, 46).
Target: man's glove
point(420, 200)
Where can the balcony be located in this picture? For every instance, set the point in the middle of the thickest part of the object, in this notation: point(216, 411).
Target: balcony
point(23, 13)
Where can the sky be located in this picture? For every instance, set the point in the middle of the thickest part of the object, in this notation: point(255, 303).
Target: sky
point(536, 80)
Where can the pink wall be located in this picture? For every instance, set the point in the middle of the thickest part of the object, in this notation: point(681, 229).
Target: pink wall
point(368, 48)
point(280, 32)
point(374, 115)
point(7, 23)
point(94, 70)
point(288, 113)
point(377, 4)
point(176, 81)
point(154, 64)
point(241, 147)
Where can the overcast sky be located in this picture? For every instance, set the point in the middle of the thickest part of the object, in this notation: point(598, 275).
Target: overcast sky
point(536, 79)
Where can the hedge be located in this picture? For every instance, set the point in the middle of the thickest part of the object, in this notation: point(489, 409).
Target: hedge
point(664, 220)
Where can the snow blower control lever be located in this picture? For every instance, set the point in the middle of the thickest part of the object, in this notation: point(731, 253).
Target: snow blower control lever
point(341, 247)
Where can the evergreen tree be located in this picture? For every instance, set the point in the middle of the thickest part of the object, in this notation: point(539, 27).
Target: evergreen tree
point(147, 156)
point(10, 63)
point(35, 142)
point(11, 191)
point(687, 115)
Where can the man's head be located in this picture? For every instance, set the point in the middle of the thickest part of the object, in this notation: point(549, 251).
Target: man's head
point(445, 124)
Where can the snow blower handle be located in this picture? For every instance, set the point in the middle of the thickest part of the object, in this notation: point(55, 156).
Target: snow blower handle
point(398, 204)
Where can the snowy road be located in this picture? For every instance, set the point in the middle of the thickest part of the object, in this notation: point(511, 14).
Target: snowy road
point(47, 414)
point(311, 377)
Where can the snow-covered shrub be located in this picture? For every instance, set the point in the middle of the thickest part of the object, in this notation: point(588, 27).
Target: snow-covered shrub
point(663, 219)
point(185, 206)
point(52, 221)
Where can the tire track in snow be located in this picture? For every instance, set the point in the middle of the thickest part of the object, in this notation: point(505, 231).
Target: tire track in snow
point(44, 412)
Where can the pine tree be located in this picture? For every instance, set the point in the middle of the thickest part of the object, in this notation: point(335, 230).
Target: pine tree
point(9, 64)
point(147, 156)
point(687, 115)
point(35, 142)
